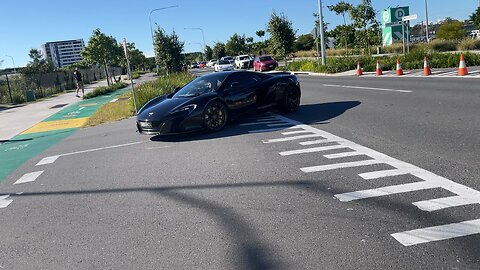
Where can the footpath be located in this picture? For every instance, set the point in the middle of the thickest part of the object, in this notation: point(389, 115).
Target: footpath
point(37, 126)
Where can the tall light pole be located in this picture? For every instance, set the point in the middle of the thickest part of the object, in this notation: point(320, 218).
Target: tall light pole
point(14, 70)
point(322, 34)
point(151, 29)
point(203, 35)
point(203, 49)
point(426, 21)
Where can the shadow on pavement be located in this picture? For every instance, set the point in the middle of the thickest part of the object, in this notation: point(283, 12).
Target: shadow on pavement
point(307, 114)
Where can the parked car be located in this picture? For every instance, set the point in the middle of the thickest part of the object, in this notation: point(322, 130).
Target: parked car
point(202, 64)
point(211, 63)
point(194, 65)
point(228, 58)
point(264, 63)
point(223, 65)
point(211, 101)
point(242, 61)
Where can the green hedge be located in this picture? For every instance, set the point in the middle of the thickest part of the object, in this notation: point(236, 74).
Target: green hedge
point(103, 90)
point(414, 60)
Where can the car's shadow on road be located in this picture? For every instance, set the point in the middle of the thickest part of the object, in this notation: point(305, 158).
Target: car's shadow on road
point(309, 114)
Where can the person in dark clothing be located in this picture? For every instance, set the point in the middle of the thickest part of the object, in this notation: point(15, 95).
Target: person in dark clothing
point(78, 80)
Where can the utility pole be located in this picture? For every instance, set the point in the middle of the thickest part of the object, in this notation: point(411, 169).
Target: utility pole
point(426, 21)
point(322, 34)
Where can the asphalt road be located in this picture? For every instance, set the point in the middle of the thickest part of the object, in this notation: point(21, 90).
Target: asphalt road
point(357, 179)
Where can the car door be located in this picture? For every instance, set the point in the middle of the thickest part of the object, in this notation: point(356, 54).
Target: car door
point(240, 92)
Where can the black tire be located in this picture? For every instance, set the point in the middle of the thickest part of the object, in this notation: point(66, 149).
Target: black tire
point(291, 100)
point(215, 116)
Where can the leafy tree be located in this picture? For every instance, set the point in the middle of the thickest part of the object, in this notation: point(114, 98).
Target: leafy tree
point(169, 51)
point(260, 33)
point(208, 52)
point(37, 64)
point(451, 31)
point(102, 50)
point(282, 35)
point(304, 43)
point(236, 45)
point(136, 57)
point(340, 9)
point(218, 50)
point(364, 20)
point(342, 35)
point(475, 18)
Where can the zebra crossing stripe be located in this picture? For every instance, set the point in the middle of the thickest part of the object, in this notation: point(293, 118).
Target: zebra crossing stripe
point(442, 203)
point(292, 138)
point(315, 142)
point(335, 166)
point(260, 123)
point(311, 150)
point(342, 155)
point(5, 201)
point(381, 174)
point(437, 233)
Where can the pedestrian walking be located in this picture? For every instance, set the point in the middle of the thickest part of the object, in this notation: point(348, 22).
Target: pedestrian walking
point(78, 80)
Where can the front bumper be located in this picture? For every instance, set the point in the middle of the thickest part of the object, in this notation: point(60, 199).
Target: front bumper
point(181, 123)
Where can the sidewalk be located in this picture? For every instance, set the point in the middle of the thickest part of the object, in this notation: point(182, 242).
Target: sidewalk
point(18, 118)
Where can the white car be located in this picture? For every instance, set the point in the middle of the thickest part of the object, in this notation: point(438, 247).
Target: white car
point(223, 65)
point(228, 58)
point(211, 63)
point(242, 61)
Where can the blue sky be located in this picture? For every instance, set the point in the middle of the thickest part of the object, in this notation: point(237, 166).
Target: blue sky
point(29, 23)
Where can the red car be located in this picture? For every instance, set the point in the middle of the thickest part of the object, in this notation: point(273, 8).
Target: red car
point(264, 63)
point(202, 64)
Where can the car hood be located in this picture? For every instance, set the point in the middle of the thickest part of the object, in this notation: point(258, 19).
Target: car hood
point(162, 108)
point(226, 65)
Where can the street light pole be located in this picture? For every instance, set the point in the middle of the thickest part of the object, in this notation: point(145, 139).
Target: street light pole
point(203, 34)
point(426, 20)
point(14, 70)
point(322, 34)
point(151, 29)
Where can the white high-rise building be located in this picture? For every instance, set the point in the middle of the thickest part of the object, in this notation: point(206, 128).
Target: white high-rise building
point(63, 53)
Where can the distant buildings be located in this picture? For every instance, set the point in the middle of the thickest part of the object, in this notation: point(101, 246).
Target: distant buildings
point(63, 53)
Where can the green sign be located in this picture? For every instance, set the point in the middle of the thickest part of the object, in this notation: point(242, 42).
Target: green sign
point(389, 16)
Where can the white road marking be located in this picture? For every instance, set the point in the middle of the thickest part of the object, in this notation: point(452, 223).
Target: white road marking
point(47, 160)
point(427, 180)
point(342, 155)
point(292, 138)
point(315, 142)
point(266, 130)
point(442, 203)
point(335, 166)
point(280, 124)
point(384, 191)
point(437, 233)
point(261, 123)
point(295, 132)
point(113, 100)
point(158, 147)
point(81, 108)
point(369, 88)
point(28, 177)
point(311, 150)
point(381, 174)
point(265, 118)
point(5, 201)
point(51, 159)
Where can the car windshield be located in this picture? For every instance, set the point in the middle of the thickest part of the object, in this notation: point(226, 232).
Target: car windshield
point(265, 58)
point(244, 58)
point(223, 62)
point(202, 85)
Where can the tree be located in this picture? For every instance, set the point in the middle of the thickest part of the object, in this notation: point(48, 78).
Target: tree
point(260, 33)
point(208, 52)
point(236, 45)
point(343, 35)
point(342, 8)
point(102, 50)
point(37, 64)
point(218, 50)
point(451, 31)
point(169, 51)
point(364, 20)
point(304, 43)
point(136, 57)
point(282, 35)
point(475, 18)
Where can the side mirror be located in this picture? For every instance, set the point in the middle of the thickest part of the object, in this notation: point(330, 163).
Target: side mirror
point(235, 85)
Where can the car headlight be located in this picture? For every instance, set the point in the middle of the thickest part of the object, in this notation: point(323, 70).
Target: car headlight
point(188, 108)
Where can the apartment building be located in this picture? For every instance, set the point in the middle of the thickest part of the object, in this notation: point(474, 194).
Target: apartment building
point(63, 53)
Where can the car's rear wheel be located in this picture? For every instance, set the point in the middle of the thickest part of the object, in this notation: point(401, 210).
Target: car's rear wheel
point(291, 100)
point(215, 116)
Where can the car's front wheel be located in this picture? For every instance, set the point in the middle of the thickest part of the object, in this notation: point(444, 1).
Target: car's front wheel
point(215, 116)
point(291, 100)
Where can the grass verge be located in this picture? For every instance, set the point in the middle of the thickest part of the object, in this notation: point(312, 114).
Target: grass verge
point(103, 90)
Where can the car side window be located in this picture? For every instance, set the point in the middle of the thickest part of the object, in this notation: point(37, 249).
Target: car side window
point(243, 79)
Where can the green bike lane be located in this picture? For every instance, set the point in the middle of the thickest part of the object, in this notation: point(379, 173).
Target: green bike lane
point(48, 132)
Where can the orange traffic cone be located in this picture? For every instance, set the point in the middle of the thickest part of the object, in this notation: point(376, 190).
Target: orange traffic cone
point(426, 68)
point(379, 69)
point(399, 68)
point(462, 69)
point(359, 69)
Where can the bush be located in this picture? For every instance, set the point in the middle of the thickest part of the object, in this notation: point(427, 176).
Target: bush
point(443, 45)
point(469, 44)
point(18, 97)
point(161, 86)
point(103, 90)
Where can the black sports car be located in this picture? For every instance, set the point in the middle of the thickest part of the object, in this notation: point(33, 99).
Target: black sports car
point(210, 101)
